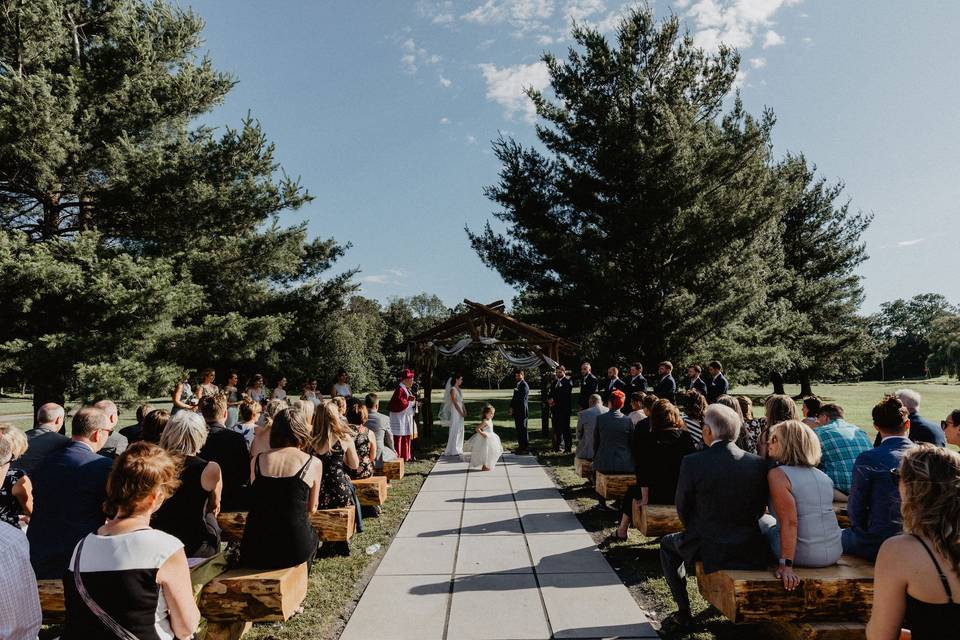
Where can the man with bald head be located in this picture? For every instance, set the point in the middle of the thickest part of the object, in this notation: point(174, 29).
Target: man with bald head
point(69, 488)
point(117, 442)
point(43, 439)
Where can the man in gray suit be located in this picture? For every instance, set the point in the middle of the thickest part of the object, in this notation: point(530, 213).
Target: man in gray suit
point(43, 439)
point(586, 422)
point(721, 494)
point(117, 442)
point(611, 441)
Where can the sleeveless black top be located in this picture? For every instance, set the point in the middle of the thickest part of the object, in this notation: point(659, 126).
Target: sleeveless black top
point(278, 533)
point(182, 514)
point(928, 621)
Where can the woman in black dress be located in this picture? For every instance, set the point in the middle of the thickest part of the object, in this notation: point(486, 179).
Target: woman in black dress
point(284, 492)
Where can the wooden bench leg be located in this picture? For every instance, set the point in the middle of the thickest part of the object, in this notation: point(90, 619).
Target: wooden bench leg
point(227, 630)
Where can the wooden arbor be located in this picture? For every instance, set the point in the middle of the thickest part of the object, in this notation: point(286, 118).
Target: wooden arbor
point(483, 325)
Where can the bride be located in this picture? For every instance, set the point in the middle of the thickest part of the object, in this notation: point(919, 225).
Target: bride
point(484, 447)
point(453, 413)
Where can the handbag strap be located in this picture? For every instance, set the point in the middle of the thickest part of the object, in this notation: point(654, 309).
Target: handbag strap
point(96, 609)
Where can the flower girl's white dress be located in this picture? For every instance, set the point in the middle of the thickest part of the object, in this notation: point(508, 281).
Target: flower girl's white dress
point(484, 451)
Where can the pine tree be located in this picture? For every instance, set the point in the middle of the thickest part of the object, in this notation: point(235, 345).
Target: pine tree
point(98, 150)
point(644, 225)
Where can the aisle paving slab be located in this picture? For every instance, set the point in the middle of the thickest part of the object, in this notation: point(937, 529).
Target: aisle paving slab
point(495, 556)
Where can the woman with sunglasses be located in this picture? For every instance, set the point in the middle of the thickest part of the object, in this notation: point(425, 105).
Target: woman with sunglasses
point(917, 574)
point(951, 428)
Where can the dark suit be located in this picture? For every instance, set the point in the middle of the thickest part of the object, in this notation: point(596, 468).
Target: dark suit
point(588, 387)
point(697, 384)
point(922, 430)
point(637, 383)
point(229, 450)
point(666, 388)
point(40, 443)
point(132, 433)
point(610, 385)
point(717, 387)
point(874, 503)
point(721, 494)
point(68, 493)
point(521, 411)
point(561, 392)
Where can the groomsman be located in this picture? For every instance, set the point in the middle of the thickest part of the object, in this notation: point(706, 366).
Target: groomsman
point(667, 387)
point(694, 381)
point(614, 383)
point(588, 385)
point(718, 384)
point(561, 402)
point(520, 410)
point(636, 382)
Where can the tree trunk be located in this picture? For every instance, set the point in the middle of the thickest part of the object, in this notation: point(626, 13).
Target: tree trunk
point(806, 387)
point(48, 388)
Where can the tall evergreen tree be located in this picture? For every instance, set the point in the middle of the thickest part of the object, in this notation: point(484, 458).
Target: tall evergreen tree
point(645, 225)
point(98, 150)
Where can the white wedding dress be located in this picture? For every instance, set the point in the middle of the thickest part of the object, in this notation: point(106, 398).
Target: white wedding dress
point(450, 415)
point(485, 449)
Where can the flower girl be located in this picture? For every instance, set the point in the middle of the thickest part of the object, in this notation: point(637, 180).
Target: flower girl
point(484, 447)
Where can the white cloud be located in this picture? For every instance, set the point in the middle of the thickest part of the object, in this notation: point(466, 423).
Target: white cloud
point(389, 276)
point(486, 44)
point(808, 40)
point(415, 56)
point(507, 86)
point(579, 10)
point(444, 120)
point(380, 278)
point(522, 15)
point(740, 80)
point(758, 63)
point(736, 23)
point(471, 140)
point(909, 243)
point(772, 39)
point(544, 39)
point(445, 82)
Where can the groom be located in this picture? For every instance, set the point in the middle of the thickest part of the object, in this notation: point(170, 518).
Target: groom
point(520, 411)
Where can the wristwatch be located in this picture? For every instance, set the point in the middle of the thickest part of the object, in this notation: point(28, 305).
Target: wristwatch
point(786, 562)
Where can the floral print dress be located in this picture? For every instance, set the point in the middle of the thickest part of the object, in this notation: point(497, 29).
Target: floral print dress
point(362, 441)
point(336, 490)
point(10, 509)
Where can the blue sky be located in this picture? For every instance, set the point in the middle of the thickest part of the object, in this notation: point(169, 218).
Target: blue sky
point(386, 110)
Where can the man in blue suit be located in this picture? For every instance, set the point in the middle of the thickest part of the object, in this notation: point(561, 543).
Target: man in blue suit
point(666, 388)
point(717, 383)
point(520, 410)
point(921, 429)
point(69, 488)
point(874, 504)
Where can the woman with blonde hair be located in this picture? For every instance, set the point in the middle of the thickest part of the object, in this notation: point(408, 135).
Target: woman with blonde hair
point(16, 492)
point(306, 407)
point(261, 439)
point(128, 579)
point(802, 526)
point(917, 574)
point(332, 442)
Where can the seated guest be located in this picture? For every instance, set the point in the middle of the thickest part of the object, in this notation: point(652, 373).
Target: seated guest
point(332, 443)
point(611, 440)
point(951, 428)
point(306, 407)
point(126, 572)
point(874, 504)
point(190, 514)
point(586, 423)
point(68, 492)
point(921, 429)
point(43, 439)
point(802, 526)
point(153, 425)
point(636, 407)
point(721, 494)
point(840, 445)
point(16, 492)
point(777, 408)
point(228, 449)
point(363, 439)
point(811, 409)
point(261, 438)
point(743, 439)
point(284, 491)
point(133, 432)
point(341, 403)
point(695, 405)
point(643, 426)
point(248, 415)
point(116, 443)
point(379, 424)
point(657, 455)
point(917, 575)
point(750, 432)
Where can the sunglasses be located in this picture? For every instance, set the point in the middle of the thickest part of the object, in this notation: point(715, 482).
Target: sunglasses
point(944, 424)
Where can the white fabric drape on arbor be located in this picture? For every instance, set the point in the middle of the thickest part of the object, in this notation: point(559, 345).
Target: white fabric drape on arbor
point(527, 361)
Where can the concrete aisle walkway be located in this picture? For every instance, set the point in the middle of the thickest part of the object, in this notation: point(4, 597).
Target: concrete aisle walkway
point(494, 555)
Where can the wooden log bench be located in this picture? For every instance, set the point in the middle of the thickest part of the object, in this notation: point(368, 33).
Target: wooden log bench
point(392, 469)
point(331, 525)
point(614, 486)
point(843, 517)
point(840, 593)
point(583, 468)
point(371, 491)
point(822, 631)
point(656, 520)
point(231, 602)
